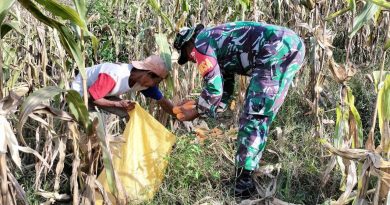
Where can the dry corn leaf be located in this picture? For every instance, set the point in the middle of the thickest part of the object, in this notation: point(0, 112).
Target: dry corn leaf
point(351, 181)
point(8, 139)
point(201, 134)
point(329, 168)
point(341, 73)
point(216, 133)
point(53, 195)
point(74, 134)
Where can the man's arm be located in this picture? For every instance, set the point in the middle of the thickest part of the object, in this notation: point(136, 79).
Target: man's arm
point(155, 93)
point(122, 104)
point(166, 105)
point(213, 87)
point(101, 88)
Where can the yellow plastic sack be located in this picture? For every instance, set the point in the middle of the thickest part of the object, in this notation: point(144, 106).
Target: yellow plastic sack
point(142, 160)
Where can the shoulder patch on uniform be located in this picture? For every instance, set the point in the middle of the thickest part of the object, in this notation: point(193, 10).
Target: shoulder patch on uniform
point(205, 66)
point(205, 63)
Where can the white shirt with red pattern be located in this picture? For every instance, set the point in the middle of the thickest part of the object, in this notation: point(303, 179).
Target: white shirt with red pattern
point(106, 79)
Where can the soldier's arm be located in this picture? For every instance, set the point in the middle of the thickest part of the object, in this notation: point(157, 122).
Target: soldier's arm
point(213, 87)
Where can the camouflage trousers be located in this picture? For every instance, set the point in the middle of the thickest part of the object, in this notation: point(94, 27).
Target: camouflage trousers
point(265, 94)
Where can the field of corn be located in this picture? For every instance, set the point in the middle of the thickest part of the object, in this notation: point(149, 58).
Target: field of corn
point(330, 143)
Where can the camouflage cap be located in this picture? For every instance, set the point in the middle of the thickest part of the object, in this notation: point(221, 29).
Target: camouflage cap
point(182, 37)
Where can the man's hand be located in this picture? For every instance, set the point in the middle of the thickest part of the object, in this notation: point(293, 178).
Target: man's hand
point(186, 110)
point(125, 104)
point(186, 101)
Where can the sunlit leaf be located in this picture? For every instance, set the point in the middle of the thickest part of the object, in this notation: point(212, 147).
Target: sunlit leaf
point(340, 128)
point(7, 27)
point(181, 21)
point(382, 3)
point(8, 140)
point(384, 114)
point(384, 101)
point(352, 5)
point(387, 43)
point(33, 101)
point(95, 42)
point(376, 75)
point(78, 109)
point(367, 14)
point(4, 7)
point(356, 116)
point(165, 54)
point(164, 50)
point(81, 9)
point(98, 128)
point(337, 13)
point(185, 6)
point(63, 11)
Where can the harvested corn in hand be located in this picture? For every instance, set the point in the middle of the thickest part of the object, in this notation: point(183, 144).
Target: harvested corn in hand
point(185, 110)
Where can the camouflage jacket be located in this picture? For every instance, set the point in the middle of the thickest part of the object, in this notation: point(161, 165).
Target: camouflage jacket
point(228, 49)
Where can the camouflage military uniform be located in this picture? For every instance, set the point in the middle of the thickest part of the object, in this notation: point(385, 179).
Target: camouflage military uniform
point(270, 54)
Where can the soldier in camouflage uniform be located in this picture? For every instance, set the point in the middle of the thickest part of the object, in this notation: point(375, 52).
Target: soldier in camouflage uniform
point(269, 54)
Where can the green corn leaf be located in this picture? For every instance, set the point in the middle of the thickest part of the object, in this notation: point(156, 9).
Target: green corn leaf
point(367, 14)
point(245, 4)
point(155, 5)
point(165, 54)
point(78, 109)
point(352, 5)
point(81, 9)
point(339, 126)
point(356, 116)
point(34, 100)
point(163, 47)
point(185, 6)
point(377, 15)
point(157, 9)
point(63, 11)
point(387, 39)
point(98, 128)
point(382, 3)
point(95, 42)
point(73, 49)
point(384, 101)
point(7, 27)
point(387, 45)
point(5, 5)
point(34, 10)
point(376, 77)
point(170, 86)
point(384, 114)
point(337, 13)
point(342, 126)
